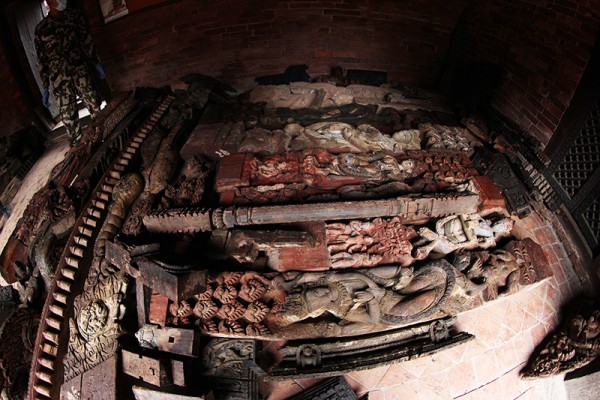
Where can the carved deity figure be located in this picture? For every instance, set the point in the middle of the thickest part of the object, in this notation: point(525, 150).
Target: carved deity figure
point(315, 304)
point(363, 299)
point(461, 232)
point(373, 167)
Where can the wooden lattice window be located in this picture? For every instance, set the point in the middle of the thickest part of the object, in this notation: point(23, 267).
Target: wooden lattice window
point(582, 158)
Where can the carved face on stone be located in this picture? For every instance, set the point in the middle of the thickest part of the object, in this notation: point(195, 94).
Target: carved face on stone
point(320, 297)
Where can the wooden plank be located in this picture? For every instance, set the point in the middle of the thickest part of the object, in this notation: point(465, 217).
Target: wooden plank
point(180, 341)
point(100, 382)
point(159, 307)
point(175, 287)
point(177, 367)
point(142, 393)
point(490, 194)
point(72, 388)
point(230, 173)
point(150, 370)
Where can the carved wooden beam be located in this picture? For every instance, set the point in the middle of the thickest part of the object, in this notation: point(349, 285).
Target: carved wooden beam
point(409, 209)
point(175, 287)
point(151, 370)
point(51, 344)
point(331, 358)
point(171, 340)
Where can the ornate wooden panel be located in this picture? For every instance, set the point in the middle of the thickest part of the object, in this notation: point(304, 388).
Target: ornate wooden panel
point(575, 176)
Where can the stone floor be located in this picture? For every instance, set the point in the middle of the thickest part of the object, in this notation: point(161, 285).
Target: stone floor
point(487, 367)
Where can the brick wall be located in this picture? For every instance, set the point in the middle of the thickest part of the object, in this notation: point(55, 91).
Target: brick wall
point(543, 46)
point(237, 40)
point(13, 112)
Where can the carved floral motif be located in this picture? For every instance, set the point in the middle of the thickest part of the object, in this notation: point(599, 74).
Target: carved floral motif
point(369, 243)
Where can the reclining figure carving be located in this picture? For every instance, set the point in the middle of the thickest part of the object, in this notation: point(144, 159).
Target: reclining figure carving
point(461, 232)
point(320, 304)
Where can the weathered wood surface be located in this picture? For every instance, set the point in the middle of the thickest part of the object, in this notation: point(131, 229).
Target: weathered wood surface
point(151, 370)
point(409, 209)
point(180, 341)
point(175, 287)
point(142, 393)
point(51, 343)
point(159, 307)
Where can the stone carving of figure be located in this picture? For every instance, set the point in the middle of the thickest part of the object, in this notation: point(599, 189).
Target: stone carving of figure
point(319, 304)
point(461, 232)
point(365, 298)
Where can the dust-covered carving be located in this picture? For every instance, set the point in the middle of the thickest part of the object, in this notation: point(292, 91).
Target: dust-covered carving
point(574, 345)
point(95, 327)
point(369, 243)
point(17, 340)
point(316, 175)
point(451, 138)
point(320, 304)
point(461, 232)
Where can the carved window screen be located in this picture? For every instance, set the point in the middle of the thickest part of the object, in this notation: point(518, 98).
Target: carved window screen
point(582, 158)
point(591, 217)
point(575, 175)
